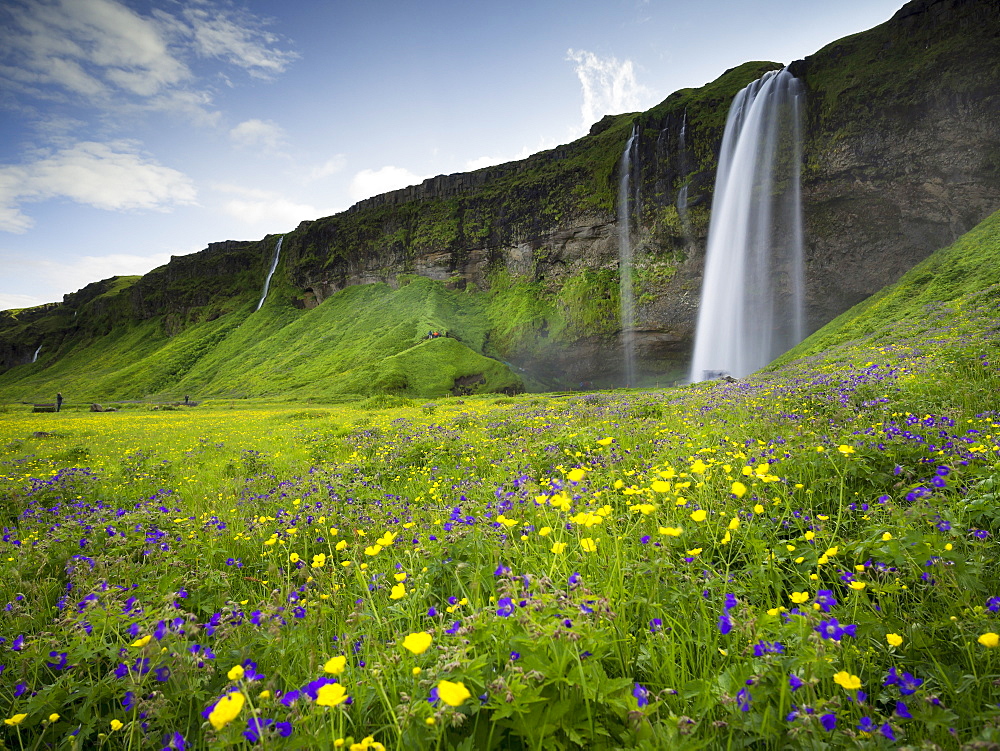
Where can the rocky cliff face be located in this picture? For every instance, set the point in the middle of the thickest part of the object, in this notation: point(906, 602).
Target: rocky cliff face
point(902, 155)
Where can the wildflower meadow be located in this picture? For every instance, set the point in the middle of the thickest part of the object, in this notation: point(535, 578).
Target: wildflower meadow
point(806, 558)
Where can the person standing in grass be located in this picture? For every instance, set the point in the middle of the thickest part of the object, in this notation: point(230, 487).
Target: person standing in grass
point(59, 401)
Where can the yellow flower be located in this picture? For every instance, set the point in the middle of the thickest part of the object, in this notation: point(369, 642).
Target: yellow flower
point(831, 552)
point(373, 550)
point(660, 486)
point(558, 547)
point(694, 551)
point(739, 489)
point(418, 642)
point(575, 475)
point(453, 694)
point(342, 545)
point(799, 597)
point(856, 586)
point(671, 531)
point(386, 539)
point(319, 560)
point(16, 719)
point(54, 717)
point(886, 537)
point(117, 725)
point(398, 592)
point(330, 695)
point(589, 545)
point(226, 710)
point(758, 509)
point(235, 672)
point(699, 467)
point(894, 639)
point(699, 515)
point(141, 642)
point(989, 639)
point(605, 441)
point(848, 681)
point(545, 531)
point(335, 665)
point(810, 535)
point(734, 523)
point(294, 558)
point(846, 450)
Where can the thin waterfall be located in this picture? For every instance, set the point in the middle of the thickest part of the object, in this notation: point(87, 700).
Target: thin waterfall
point(35, 358)
point(625, 292)
point(752, 300)
point(274, 265)
point(682, 193)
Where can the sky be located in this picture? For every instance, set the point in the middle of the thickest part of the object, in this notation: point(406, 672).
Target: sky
point(132, 130)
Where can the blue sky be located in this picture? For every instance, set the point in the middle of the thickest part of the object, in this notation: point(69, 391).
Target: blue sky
point(132, 130)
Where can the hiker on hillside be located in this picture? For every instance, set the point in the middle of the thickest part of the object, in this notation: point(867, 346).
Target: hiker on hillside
point(59, 401)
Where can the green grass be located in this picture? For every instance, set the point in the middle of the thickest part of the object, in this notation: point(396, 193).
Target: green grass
point(716, 566)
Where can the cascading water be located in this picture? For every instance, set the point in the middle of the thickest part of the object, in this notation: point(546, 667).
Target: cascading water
point(35, 358)
point(752, 300)
point(682, 194)
point(274, 265)
point(625, 293)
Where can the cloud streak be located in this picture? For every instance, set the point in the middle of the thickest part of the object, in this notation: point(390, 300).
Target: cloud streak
point(609, 87)
point(110, 176)
point(106, 55)
point(369, 182)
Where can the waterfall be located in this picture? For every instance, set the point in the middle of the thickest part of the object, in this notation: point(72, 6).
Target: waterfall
point(625, 292)
point(274, 265)
point(35, 358)
point(752, 299)
point(682, 193)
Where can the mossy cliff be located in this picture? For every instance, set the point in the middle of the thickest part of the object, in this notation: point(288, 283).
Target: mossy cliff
point(902, 155)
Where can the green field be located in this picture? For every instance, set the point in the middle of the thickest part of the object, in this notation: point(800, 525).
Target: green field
point(806, 558)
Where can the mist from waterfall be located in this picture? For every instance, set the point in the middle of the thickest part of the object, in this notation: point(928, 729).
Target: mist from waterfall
point(274, 265)
point(35, 358)
point(752, 300)
point(626, 294)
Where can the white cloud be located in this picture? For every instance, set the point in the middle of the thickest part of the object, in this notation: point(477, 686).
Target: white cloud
point(609, 87)
point(14, 301)
point(110, 176)
point(483, 161)
point(108, 55)
point(331, 166)
point(266, 207)
point(368, 183)
point(258, 134)
point(240, 41)
point(68, 276)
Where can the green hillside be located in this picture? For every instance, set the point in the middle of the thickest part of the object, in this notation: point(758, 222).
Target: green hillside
point(949, 279)
point(366, 339)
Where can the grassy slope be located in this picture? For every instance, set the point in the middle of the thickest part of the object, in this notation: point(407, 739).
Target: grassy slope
point(365, 339)
point(970, 265)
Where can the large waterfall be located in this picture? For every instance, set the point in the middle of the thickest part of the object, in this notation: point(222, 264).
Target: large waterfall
point(35, 358)
point(752, 305)
point(626, 293)
point(274, 265)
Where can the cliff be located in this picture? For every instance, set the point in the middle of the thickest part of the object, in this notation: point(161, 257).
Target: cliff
point(902, 155)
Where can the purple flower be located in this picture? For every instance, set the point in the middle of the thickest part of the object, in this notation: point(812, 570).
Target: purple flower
point(866, 725)
point(18, 644)
point(60, 661)
point(903, 711)
point(795, 682)
point(762, 648)
point(886, 731)
point(505, 607)
point(730, 602)
point(174, 742)
point(128, 701)
point(657, 623)
point(908, 684)
point(743, 700)
point(641, 694)
point(256, 728)
point(725, 624)
point(826, 600)
point(828, 721)
point(501, 570)
point(454, 628)
point(575, 579)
